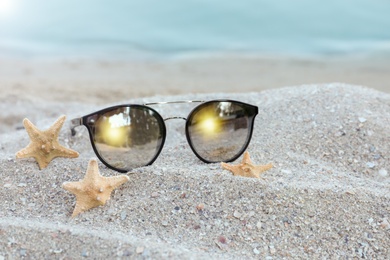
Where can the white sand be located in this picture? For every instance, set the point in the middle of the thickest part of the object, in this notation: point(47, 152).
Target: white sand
point(327, 197)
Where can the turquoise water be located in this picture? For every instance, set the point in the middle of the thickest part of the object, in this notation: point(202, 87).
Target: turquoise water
point(119, 27)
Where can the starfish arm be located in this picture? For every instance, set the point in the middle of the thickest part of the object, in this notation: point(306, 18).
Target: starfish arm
point(92, 173)
point(56, 127)
point(116, 181)
point(33, 132)
point(43, 161)
point(232, 168)
point(246, 158)
point(263, 168)
point(25, 152)
point(226, 166)
point(30, 151)
point(84, 204)
point(74, 187)
point(61, 151)
point(107, 185)
point(78, 209)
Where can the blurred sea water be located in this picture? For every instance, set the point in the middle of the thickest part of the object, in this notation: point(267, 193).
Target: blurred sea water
point(156, 27)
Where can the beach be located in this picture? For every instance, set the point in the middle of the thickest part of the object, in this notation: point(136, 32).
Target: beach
point(327, 195)
point(94, 80)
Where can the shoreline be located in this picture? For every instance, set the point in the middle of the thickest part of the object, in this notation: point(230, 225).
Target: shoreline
point(100, 80)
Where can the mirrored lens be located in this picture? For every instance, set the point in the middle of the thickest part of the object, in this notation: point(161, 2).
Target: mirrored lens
point(127, 137)
point(220, 131)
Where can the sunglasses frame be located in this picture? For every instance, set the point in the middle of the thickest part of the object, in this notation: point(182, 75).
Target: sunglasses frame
point(251, 117)
point(84, 121)
point(252, 113)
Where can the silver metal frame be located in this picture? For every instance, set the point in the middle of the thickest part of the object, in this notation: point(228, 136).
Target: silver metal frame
point(78, 121)
point(174, 102)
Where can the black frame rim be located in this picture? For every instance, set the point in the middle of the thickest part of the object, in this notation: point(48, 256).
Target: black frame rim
point(251, 117)
point(102, 111)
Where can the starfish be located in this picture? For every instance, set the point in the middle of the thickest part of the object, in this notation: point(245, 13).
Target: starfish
point(94, 190)
point(246, 168)
point(44, 146)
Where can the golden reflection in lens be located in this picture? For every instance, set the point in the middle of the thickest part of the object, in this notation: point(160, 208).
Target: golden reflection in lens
point(113, 134)
point(208, 124)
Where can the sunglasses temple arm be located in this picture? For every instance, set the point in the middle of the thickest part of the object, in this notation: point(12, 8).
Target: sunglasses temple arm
point(73, 124)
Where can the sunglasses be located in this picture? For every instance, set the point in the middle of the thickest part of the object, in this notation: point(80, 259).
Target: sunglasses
point(130, 136)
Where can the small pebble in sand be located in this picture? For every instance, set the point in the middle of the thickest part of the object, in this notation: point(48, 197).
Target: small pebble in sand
point(256, 251)
point(362, 119)
point(371, 165)
point(237, 214)
point(154, 194)
point(200, 207)
point(139, 249)
point(339, 133)
point(84, 253)
point(22, 252)
point(222, 239)
point(58, 251)
point(272, 250)
point(385, 224)
point(383, 172)
point(258, 225)
point(222, 243)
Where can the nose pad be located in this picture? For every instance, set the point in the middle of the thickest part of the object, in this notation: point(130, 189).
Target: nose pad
point(175, 117)
point(176, 130)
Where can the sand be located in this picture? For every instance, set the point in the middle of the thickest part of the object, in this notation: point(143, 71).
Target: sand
point(328, 195)
point(103, 80)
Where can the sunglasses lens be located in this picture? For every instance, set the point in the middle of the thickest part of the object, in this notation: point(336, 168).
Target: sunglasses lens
point(127, 137)
point(220, 131)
